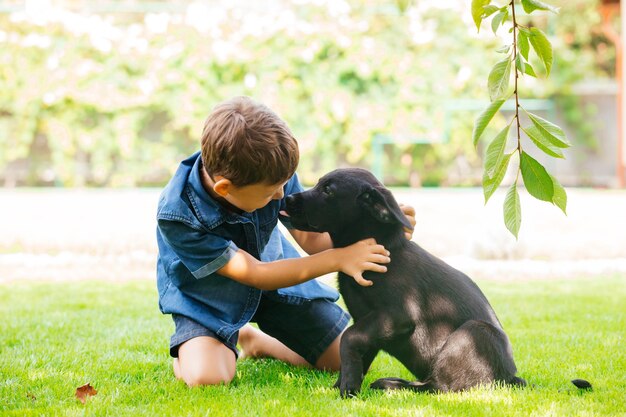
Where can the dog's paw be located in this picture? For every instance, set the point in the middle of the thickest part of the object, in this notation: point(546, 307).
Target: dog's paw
point(348, 389)
point(348, 393)
point(399, 383)
point(389, 383)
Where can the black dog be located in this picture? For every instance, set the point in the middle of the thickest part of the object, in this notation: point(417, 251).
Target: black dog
point(430, 316)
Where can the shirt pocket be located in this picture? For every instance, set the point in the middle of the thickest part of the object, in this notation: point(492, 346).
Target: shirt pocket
point(178, 273)
point(266, 234)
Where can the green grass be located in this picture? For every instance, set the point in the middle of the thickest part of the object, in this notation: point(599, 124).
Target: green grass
point(55, 337)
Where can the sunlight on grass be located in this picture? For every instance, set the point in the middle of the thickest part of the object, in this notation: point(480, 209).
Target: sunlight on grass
point(56, 337)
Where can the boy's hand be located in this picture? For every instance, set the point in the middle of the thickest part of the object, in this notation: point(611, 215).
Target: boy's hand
point(365, 255)
point(409, 212)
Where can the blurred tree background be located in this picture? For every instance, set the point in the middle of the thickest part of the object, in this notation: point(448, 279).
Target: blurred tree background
point(115, 95)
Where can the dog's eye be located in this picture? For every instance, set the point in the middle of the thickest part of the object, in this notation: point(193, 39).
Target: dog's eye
point(327, 190)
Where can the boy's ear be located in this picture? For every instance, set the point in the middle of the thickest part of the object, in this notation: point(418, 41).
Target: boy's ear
point(222, 186)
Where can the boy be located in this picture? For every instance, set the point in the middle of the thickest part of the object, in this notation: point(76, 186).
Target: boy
point(223, 262)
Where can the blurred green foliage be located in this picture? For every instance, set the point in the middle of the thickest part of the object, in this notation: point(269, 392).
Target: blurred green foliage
point(118, 99)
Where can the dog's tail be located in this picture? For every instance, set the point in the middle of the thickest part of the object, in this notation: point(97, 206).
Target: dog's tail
point(398, 383)
point(579, 383)
point(426, 386)
point(582, 384)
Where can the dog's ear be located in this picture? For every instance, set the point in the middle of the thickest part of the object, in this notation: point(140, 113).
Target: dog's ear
point(379, 202)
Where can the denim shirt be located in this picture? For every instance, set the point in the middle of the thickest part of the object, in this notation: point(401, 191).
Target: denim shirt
point(196, 236)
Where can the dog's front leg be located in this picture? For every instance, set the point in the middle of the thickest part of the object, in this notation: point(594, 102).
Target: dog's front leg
point(359, 345)
point(354, 344)
point(367, 359)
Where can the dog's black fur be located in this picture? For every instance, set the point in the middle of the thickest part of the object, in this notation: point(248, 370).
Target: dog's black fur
point(431, 317)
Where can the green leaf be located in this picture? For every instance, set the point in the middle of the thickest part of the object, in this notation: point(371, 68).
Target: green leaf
point(498, 20)
point(542, 47)
point(520, 64)
point(489, 10)
point(532, 5)
point(504, 50)
point(550, 131)
point(484, 118)
point(542, 143)
point(522, 43)
point(495, 151)
point(536, 178)
point(512, 210)
point(529, 70)
point(498, 82)
point(477, 11)
point(560, 196)
point(490, 185)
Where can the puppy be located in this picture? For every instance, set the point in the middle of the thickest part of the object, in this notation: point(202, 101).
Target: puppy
point(431, 317)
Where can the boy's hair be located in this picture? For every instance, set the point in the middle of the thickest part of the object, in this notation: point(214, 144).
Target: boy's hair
point(247, 143)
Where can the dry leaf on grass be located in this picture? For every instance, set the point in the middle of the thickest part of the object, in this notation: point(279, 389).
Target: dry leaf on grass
point(85, 391)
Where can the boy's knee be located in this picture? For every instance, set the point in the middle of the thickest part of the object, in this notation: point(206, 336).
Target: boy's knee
point(205, 361)
point(200, 377)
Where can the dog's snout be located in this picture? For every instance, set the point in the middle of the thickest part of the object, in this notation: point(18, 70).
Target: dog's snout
point(292, 205)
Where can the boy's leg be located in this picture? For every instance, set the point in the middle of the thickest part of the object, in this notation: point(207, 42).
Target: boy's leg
point(312, 329)
point(330, 360)
point(257, 344)
point(200, 358)
point(204, 360)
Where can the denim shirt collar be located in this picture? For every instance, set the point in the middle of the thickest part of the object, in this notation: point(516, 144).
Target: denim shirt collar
point(209, 211)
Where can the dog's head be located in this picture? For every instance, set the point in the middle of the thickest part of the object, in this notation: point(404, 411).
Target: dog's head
point(350, 204)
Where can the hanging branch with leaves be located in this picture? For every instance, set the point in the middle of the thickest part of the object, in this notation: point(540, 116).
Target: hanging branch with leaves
point(545, 135)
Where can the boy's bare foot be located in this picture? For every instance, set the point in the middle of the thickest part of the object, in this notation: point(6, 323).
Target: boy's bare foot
point(176, 366)
point(256, 344)
point(251, 340)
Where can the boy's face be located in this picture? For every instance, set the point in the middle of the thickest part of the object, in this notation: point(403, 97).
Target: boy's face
point(254, 196)
point(246, 198)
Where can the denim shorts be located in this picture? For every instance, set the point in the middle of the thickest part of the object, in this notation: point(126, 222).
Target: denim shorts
point(307, 329)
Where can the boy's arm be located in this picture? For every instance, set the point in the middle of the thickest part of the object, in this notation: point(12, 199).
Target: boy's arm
point(365, 255)
point(312, 242)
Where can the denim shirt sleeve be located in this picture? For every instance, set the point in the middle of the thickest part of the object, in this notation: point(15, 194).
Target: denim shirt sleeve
point(293, 186)
point(202, 253)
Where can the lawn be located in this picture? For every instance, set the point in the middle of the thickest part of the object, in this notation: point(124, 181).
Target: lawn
point(55, 337)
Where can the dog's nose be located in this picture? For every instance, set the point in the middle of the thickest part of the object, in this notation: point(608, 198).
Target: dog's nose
point(291, 204)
